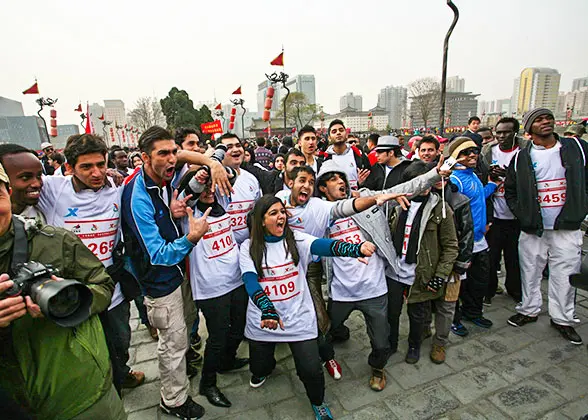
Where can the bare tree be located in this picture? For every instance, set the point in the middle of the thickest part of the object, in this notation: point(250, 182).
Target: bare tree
point(299, 111)
point(147, 113)
point(425, 95)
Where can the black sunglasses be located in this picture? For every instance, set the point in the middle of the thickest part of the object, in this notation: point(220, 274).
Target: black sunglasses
point(469, 151)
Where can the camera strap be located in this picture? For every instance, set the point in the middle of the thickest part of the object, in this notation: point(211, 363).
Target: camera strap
point(21, 245)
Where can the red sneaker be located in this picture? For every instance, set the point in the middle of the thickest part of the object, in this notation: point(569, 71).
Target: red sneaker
point(334, 369)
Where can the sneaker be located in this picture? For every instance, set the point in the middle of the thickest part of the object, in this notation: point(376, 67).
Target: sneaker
point(437, 354)
point(322, 412)
point(459, 329)
point(196, 343)
point(334, 369)
point(153, 332)
point(191, 369)
point(569, 333)
point(427, 332)
point(378, 380)
point(256, 382)
point(413, 355)
point(133, 379)
point(480, 321)
point(487, 301)
point(499, 290)
point(187, 411)
point(518, 320)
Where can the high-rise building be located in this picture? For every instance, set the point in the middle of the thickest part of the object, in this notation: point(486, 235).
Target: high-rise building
point(455, 84)
point(577, 84)
point(459, 107)
point(393, 100)
point(572, 104)
point(303, 83)
point(514, 99)
point(351, 101)
point(10, 108)
point(502, 106)
point(261, 92)
point(114, 110)
point(539, 87)
point(27, 131)
point(63, 133)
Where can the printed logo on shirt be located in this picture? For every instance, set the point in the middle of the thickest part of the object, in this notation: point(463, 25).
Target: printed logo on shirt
point(115, 207)
point(278, 282)
point(219, 239)
point(72, 212)
point(552, 192)
point(297, 223)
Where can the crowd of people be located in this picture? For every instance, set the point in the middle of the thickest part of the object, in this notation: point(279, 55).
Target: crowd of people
point(252, 235)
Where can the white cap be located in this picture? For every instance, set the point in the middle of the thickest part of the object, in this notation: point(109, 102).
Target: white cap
point(45, 145)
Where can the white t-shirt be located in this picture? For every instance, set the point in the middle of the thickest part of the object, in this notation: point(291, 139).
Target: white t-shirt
point(346, 162)
point(406, 272)
point(246, 192)
point(352, 279)
point(313, 218)
point(214, 261)
point(285, 285)
point(93, 216)
point(175, 183)
point(551, 182)
point(502, 158)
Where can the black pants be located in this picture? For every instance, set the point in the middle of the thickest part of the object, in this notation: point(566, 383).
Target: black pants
point(118, 338)
point(225, 322)
point(306, 359)
point(142, 310)
point(474, 287)
point(503, 239)
point(396, 291)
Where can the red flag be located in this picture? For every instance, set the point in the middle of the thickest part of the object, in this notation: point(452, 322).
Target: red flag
point(218, 107)
point(79, 108)
point(237, 91)
point(279, 60)
point(101, 118)
point(32, 90)
point(89, 128)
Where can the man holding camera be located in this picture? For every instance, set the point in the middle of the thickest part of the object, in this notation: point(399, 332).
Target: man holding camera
point(49, 370)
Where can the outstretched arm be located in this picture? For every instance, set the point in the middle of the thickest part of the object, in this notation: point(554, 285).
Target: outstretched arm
point(332, 248)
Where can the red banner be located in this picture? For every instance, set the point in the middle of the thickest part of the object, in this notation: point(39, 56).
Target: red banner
point(214, 127)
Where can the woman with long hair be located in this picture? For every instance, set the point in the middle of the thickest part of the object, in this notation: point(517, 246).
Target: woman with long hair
point(273, 264)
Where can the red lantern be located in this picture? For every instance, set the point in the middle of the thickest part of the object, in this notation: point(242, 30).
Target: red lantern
point(53, 113)
point(270, 92)
point(53, 132)
point(231, 125)
point(233, 111)
point(232, 119)
point(266, 115)
point(53, 123)
point(268, 103)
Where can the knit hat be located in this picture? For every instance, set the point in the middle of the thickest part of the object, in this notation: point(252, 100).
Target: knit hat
point(3, 175)
point(531, 115)
point(458, 145)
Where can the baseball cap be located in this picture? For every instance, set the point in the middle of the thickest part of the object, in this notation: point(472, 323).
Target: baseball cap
point(45, 145)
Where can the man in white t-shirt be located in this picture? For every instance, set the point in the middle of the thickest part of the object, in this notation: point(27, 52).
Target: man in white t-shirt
point(546, 189)
point(307, 141)
point(503, 235)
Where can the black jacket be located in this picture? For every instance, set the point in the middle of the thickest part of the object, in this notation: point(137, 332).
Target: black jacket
point(520, 188)
point(270, 181)
point(377, 179)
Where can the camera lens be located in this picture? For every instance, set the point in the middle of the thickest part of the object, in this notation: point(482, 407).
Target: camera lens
point(64, 303)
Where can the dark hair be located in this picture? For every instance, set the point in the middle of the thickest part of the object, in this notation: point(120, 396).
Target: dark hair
point(335, 122)
point(150, 136)
point(278, 156)
point(257, 245)
point(183, 132)
point(260, 142)
point(484, 129)
point(13, 149)
point(287, 141)
point(327, 176)
point(229, 136)
point(294, 152)
point(113, 150)
point(301, 169)
point(474, 118)
point(508, 120)
point(416, 168)
point(428, 139)
point(373, 138)
point(306, 129)
point(58, 157)
point(251, 153)
point(83, 144)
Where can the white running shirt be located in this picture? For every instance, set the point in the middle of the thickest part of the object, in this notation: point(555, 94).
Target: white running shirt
point(246, 192)
point(551, 182)
point(502, 158)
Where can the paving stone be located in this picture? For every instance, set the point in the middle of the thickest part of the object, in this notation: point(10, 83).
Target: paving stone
point(479, 410)
point(140, 337)
point(134, 324)
point(378, 411)
point(498, 315)
point(357, 365)
point(298, 408)
point(357, 393)
point(357, 343)
point(555, 415)
point(145, 396)
point(146, 351)
point(472, 352)
point(409, 376)
point(489, 410)
point(576, 409)
point(569, 379)
point(527, 400)
point(132, 355)
point(463, 413)
point(150, 368)
point(152, 413)
point(474, 383)
point(226, 380)
point(429, 402)
point(507, 340)
point(257, 414)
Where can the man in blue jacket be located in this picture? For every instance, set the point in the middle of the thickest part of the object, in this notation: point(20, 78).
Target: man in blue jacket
point(473, 289)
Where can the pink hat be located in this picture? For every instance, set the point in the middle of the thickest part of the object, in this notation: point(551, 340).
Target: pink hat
point(412, 140)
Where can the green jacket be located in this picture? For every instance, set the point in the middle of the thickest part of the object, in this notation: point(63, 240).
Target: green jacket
point(437, 250)
point(56, 372)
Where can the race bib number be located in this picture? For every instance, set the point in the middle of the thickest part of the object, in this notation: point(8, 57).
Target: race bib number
point(552, 193)
point(219, 239)
point(279, 283)
point(407, 229)
point(238, 211)
point(346, 230)
point(98, 236)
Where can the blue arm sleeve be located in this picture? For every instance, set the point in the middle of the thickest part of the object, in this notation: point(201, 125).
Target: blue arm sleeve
point(489, 189)
point(331, 248)
point(251, 283)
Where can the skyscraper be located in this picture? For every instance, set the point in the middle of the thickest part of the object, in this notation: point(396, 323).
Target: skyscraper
point(538, 87)
point(10, 108)
point(393, 100)
point(303, 83)
point(351, 101)
point(579, 83)
point(455, 84)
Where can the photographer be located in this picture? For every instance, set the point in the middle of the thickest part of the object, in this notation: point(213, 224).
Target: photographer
point(53, 371)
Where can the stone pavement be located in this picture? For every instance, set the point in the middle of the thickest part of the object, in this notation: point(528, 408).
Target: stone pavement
point(501, 373)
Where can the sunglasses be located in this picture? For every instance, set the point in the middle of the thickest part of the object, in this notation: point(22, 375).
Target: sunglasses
point(469, 151)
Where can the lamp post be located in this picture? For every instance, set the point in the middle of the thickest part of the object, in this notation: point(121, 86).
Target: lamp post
point(43, 102)
point(104, 124)
point(240, 102)
point(444, 74)
point(282, 78)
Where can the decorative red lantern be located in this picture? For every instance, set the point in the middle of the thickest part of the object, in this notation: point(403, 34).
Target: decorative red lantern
point(53, 113)
point(53, 123)
point(268, 103)
point(233, 111)
point(232, 119)
point(53, 132)
point(266, 115)
point(231, 125)
point(270, 92)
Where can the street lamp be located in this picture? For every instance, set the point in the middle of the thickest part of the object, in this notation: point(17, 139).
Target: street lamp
point(42, 102)
point(240, 102)
point(104, 124)
point(444, 74)
point(282, 78)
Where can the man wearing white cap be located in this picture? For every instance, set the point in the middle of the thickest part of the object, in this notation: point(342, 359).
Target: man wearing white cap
point(48, 150)
point(391, 164)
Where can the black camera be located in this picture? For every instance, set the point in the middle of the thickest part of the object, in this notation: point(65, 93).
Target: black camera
point(65, 302)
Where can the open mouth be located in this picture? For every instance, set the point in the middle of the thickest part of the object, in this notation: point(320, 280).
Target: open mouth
point(342, 189)
point(33, 194)
point(169, 172)
point(303, 196)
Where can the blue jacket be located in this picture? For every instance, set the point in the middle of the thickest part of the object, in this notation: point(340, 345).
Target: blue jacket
point(152, 240)
point(469, 184)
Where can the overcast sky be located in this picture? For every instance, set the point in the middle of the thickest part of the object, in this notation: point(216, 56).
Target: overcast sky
point(108, 49)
